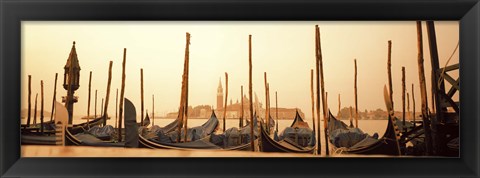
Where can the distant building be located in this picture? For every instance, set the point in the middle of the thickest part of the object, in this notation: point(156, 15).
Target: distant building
point(234, 110)
point(219, 95)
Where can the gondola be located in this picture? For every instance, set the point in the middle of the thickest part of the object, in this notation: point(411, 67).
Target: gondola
point(131, 133)
point(237, 138)
point(166, 129)
point(298, 132)
point(152, 141)
point(287, 144)
point(32, 136)
point(386, 145)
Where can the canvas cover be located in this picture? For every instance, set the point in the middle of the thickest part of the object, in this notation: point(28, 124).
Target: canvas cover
point(194, 133)
point(299, 132)
point(103, 133)
point(340, 135)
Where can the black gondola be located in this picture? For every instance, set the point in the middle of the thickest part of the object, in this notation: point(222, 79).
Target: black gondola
point(195, 143)
point(31, 135)
point(286, 145)
point(131, 133)
point(386, 145)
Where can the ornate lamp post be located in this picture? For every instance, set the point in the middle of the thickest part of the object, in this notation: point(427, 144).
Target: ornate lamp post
point(71, 80)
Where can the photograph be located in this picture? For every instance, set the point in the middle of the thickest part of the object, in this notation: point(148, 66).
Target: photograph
point(381, 89)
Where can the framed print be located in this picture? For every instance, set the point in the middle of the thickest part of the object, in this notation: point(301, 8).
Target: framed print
point(239, 88)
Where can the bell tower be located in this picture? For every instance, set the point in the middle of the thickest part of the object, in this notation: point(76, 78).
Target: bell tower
point(219, 95)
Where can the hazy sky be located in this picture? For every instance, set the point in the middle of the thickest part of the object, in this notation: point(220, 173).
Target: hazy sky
point(285, 50)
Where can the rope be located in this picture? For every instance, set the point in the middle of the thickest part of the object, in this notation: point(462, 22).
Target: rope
point(339, 150)
point(443, 71)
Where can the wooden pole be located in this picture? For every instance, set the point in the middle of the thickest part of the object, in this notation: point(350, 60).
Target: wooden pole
point(89, 96)
point(356, 102)
point(389, 68)
point(423, 90)
point(187, 58)
point(252, 143)
point(351, 116)
point(413, 106)
point(122, 94)
point(182, 107)
point(29, 99)
point(141, 96)
point(403, 100)
point(339, 105)
point(268, 107)
point(266, 102)
point(107, 97)
point(276, 111)
point(116, 109)
point(226, 98)
point(96, 103)
point(317, 55)
point(35, 110)
point(324, 102)
point(240, 124)
point(101, 109)
point(41, 107)
point(313, 100)
point(54, 96)
point(181, 110)
point(153, 110)
point(409, 115)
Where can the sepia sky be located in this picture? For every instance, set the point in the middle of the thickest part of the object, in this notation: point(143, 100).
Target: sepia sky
point(285, 50)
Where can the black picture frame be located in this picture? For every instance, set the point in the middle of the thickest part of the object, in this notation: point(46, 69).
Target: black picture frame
point(12, 12)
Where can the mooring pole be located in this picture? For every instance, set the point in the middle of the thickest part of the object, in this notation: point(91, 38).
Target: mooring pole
point(29, 99)
point(313, 101)
point(122, 94)
point(266, 103)
point(339, 106)
point(276, 111)
point(356, 102)
point(116, 109)
point(89, 96)
point(35, 110)
point(423, 90)
point(226, 99)
point(141, 96)
point(389, 69)
point(252, 143)
point(41, 107)
point(409, 115)
point(54, 96)
point(413, 108)
point(187, 58)
point(324, 102)
point(181, 110)
point(403, 101)
point(317, 55)
point(101, 111)
point(351, 117)
point(153, 110)
point(96, 103)
point(240, 124)
point(268, 108)
point(107, 97)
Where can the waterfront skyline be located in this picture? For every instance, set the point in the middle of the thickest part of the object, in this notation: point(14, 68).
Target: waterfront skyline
point(285, 50)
